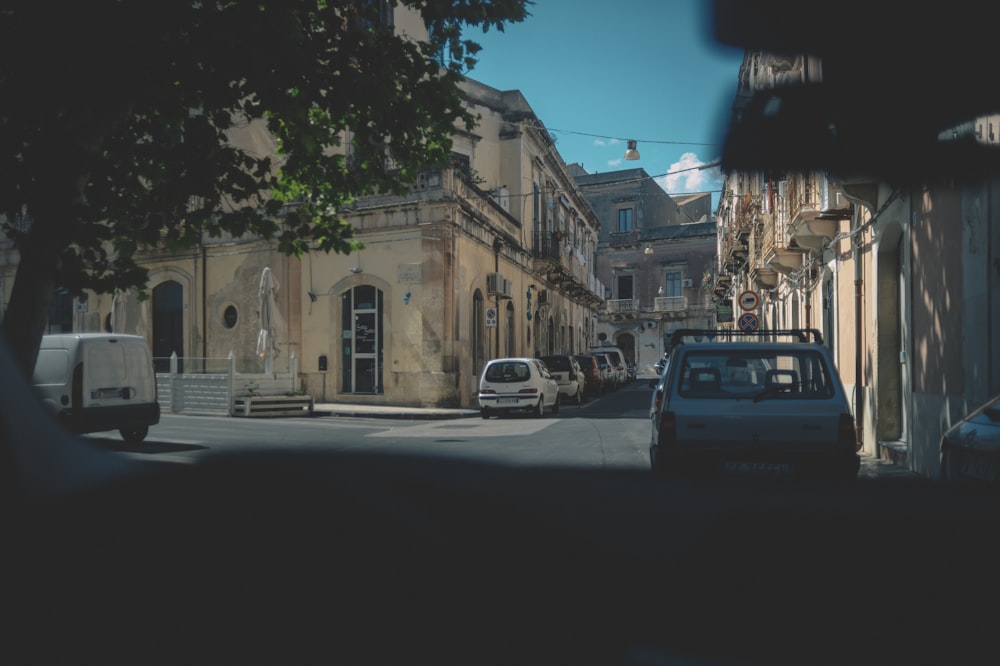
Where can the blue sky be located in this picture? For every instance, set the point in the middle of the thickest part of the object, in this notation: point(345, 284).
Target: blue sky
point(600, 72)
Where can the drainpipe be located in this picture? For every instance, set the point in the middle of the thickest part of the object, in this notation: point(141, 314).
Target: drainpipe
point(808, 284)
point(497, 244)
point(204, 297)
point(859, 408)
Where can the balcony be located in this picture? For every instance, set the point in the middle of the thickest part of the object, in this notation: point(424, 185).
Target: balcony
point(623, 238)
point(764, 277)
point(783, 259)
point(813, 225)
point(622, 306)
point(813, 232)
point(777, 251)
point(670, 303)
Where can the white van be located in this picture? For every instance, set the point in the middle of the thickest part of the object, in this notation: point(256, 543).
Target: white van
point(617, 358)
point(98, 381)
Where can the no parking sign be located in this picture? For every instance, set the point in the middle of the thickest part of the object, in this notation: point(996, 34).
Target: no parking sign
point(491, 317)
point(748, 322)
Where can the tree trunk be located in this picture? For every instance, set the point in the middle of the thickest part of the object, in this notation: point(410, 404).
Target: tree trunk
point(27, 314)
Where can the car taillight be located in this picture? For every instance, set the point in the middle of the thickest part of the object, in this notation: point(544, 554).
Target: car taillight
point(668, 429)
point(846, 434)
point(77, 388)
point(487, 390)
point(528, 390)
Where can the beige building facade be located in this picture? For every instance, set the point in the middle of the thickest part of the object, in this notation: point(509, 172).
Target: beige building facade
point(491, 256)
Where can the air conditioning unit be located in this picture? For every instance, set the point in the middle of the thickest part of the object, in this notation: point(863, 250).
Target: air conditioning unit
point(688, 282)
point(506, 288)
point(543, 296)
point(494, 283)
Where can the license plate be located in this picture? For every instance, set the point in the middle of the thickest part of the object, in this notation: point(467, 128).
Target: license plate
point(506, 401)
point(758, 468)
point(105, 394)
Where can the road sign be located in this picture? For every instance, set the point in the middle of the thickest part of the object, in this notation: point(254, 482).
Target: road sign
point(749, 300)
point(724, 312)
point(748, 322)
point(491, 317)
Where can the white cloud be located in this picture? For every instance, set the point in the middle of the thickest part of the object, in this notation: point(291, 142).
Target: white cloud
point(685, 176)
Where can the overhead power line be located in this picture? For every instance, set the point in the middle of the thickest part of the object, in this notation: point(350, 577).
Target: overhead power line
point(617, 138)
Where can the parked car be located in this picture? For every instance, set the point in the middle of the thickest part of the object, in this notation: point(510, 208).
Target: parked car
point(657, 385)
point(592, 374)
point(608, 380)
point(617, 359)
point(568, 374)
point(744, 405)
point(517, 385)
point(970, 449)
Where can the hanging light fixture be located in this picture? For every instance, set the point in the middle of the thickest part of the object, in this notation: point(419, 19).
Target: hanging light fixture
point(631, 153)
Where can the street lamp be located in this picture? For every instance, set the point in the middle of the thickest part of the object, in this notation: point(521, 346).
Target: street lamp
point(631, 153)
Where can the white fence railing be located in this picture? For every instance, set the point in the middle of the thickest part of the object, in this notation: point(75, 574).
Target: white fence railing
point(216, 393)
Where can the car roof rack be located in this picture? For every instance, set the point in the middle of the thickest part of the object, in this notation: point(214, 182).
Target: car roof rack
point(729, 335)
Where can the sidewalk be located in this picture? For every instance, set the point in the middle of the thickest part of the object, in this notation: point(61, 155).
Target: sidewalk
point(391, 411)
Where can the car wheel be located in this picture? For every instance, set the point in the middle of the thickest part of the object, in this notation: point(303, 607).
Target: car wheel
point(540, 407)
point(558, 402)
point(485, 413)
point(134, 435)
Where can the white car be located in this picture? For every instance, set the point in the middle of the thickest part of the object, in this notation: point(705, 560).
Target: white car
point(517, 384)
point(568, 374)
point(742, 405)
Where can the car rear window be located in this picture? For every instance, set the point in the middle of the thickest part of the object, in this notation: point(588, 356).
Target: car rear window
point(556, 362)
point(792, 374)
point(508, 371)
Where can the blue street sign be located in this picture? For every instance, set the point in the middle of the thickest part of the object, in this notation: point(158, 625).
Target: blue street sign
point(748, 322)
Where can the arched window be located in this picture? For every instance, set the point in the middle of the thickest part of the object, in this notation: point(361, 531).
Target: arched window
point(168, 325)
point(362, 339)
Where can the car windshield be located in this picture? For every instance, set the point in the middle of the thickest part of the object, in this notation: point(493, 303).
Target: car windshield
point(507, 371)
point(557, 363)
point(350, 239)
point(724, 375)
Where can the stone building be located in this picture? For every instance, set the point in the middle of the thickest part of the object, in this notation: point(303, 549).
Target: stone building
point(656, 257)
point(493, 255)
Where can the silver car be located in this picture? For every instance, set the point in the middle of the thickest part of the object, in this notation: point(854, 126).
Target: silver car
point(743, 405)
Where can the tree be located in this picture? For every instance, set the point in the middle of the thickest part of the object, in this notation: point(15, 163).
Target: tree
point(116, 121)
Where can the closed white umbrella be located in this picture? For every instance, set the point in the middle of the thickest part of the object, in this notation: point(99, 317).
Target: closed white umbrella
point(118, 301)
point(266, 293)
